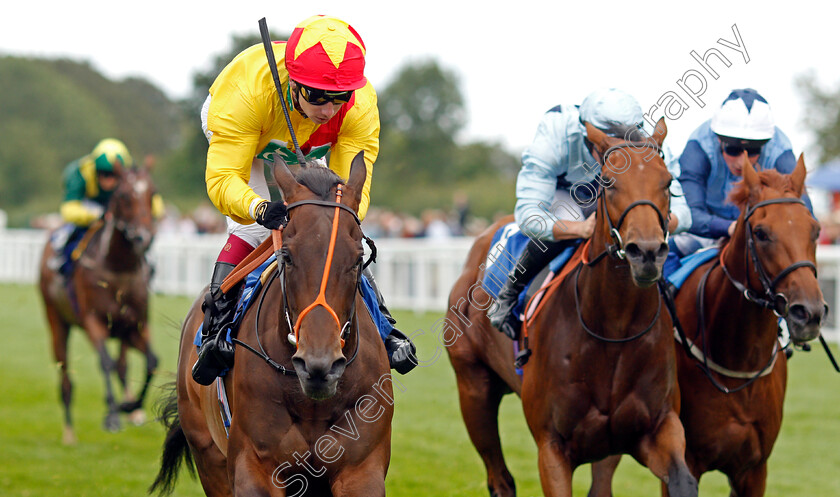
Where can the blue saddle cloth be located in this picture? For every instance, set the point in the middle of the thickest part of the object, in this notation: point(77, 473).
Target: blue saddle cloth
point(506, 247)
point(689, 263)
point(253, 284)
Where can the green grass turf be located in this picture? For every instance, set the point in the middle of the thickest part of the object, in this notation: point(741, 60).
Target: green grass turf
point(431, 453)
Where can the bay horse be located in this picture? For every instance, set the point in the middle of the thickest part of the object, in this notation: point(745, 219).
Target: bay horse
point(107, 294)
point(311, 410)
point(602, 377)
point(733, 383)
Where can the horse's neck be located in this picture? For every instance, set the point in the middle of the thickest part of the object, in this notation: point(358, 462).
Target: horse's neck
point(116, 252)
point(740, 334)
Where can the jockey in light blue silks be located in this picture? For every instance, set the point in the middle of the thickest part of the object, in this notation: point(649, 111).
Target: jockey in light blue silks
point(711, 164)
point(557, 187)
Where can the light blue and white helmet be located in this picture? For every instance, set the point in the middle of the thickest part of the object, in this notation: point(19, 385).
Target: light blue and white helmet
point(611, 108)
point(744, 115)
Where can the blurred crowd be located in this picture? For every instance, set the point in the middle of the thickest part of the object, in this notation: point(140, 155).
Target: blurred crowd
point(379, 223)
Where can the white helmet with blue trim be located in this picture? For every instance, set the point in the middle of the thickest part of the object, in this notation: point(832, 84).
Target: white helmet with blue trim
point(610, 108)
point(744, 115)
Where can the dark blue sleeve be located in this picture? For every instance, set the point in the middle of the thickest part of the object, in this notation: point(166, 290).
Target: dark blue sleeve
point(694, 171)
point(785, 164)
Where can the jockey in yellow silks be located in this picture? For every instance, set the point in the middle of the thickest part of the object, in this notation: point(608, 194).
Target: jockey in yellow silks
point(332, 108)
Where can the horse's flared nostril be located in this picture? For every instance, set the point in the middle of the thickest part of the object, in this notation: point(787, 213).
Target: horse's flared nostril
point(808, 315)
point(633, 251)
point(645, 252)
point(662, 253)
point(300, 366)
point(319, 368)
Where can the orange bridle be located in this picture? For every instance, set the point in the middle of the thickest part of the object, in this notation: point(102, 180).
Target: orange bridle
point(321, 299)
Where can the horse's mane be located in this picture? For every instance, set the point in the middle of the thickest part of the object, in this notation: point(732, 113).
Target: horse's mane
point(320, 180)
point(769, 178)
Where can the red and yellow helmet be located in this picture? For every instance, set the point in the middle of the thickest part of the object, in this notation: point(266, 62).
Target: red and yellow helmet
point(326, 53)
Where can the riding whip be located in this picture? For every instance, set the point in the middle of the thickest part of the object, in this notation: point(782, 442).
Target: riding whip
point(272, 65)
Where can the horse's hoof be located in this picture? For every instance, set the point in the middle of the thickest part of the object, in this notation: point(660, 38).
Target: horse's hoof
point(112, 422)
point(137, 417)
point(69, 436)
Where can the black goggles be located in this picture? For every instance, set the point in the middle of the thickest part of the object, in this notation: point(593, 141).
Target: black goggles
point(734, 150)
point(316, 96)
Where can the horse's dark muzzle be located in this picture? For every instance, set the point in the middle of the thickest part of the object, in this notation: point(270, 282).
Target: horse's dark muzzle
point(805, 319)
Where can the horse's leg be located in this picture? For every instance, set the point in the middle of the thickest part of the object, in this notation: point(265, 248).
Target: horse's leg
point(141, 342)
point(60, 331)
point(750, 483)
point(367, 478)
point(122, 369)
point(250, 478)
point(602, 476)
point(211, 466)
point(555, 469)
point(98, 334)
point(663, 452)
point(480, 392)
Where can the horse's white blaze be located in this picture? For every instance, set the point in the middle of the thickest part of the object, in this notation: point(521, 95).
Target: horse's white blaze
point(141, 186)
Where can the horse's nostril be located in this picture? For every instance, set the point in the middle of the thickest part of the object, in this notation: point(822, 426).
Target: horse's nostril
point(338, 366)
point(663, 251)
point(799, 313)
point(299, 365)
point(633, 251)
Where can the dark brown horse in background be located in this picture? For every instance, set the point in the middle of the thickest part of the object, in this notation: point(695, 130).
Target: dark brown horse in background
point(327, 431)
point(107, 294)
point(602, 377)
point(733, 384)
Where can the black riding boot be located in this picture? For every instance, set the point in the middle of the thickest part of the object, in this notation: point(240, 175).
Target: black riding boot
point(402, 354)
point(215, 354)
point(530, 263)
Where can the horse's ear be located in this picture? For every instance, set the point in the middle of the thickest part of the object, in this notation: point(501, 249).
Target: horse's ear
point(660, 131)
point(797, 177)
point(356, 181)
point(597, 137)
point(751, 178)
point(285, 179)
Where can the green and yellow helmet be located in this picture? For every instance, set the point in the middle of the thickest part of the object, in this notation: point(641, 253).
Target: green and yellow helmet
point(110, 155)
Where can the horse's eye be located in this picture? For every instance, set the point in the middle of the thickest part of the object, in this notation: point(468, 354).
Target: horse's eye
point(761, 235)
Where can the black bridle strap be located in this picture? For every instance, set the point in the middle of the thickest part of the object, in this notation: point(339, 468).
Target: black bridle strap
point(281, 271)
point(325, 203)
point(770, 299)
point(616, 248)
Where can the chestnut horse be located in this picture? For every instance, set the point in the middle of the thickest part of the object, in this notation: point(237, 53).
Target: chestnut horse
point(602, 376)
point(107, 294)
point(733, 385)
point(307, 419)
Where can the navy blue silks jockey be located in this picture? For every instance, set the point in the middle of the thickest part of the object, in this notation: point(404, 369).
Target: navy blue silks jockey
point(710, 165)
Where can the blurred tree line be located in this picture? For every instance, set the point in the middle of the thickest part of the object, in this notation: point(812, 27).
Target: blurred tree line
point(54, 111)
point(822, 115)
